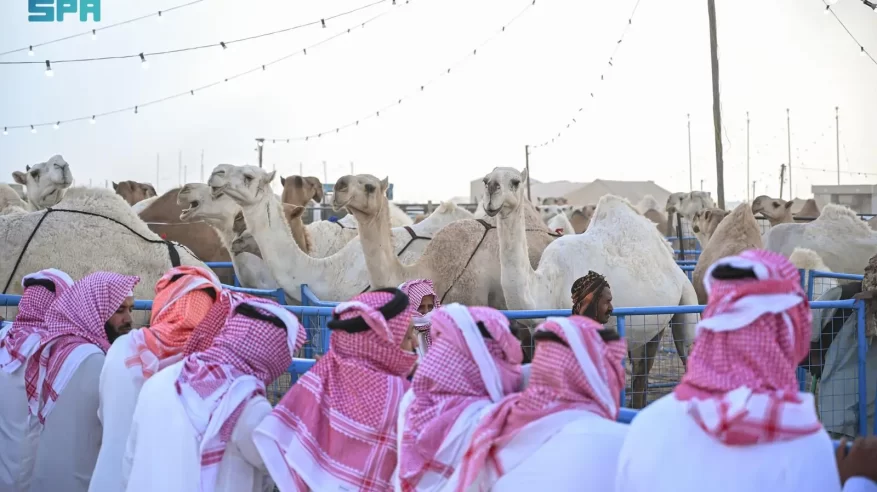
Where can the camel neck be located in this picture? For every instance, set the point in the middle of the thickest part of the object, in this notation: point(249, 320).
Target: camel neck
point(376, 236)
point(515, 270)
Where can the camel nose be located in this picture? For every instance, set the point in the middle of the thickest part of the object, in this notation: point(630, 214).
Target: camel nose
point(341, 184)
point(492, 187)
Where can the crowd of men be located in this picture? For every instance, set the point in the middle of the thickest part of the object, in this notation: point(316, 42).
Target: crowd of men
point(410, 396)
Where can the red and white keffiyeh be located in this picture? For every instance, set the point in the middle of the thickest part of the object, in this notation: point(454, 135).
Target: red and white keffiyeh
point(462, 376)
point(416, 290)
point(74, 330)
point(24, 335)
point(213, 322)
point(215, 385)
point(179, 306)
point(335, 429)
point(740, 382)
point(587, 375)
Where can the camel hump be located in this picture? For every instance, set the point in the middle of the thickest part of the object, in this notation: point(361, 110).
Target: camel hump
point(807, 259)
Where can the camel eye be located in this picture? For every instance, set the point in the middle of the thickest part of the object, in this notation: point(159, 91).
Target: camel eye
point(369, 188)
point(35, 174)
point(484, 181)
point(248, 179)
point(516, 183)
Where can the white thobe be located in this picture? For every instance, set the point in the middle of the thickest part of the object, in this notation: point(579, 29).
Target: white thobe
point(118, 399)
point(70, 439)
point(582, 455)
point(666, 450)
point(860, 484)
point(162, 449)
point(19, 434)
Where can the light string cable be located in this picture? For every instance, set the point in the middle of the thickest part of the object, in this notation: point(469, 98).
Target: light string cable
point(611, 63)
point(93, 32)
point(144, 56)
point(191, 92)
point(862, 50)
point(398, 101)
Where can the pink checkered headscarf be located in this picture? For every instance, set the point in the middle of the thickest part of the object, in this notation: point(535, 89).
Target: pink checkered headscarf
point(463, 374)
point(24, 335)
point(216, 384)
point(336, 427)
point(208, 329)
point(740, 381)
point(416, 290)
point(74, 330)
point(586, 374)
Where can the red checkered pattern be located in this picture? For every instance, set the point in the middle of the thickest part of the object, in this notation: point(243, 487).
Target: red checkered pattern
point(344, 410)
point(203, 335)
point(76, 318)
point(247, 355)
point(416, 290)
point(21, 340)
point(446, 383)
point(741, 383)
point(179, 306)
point(557, 383)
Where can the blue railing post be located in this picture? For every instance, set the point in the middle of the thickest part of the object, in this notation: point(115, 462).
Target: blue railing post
point(620, 323)
point(862, 353)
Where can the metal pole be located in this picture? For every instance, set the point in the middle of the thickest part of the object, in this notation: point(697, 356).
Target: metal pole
point(527, 167)
point(690, 172)
point(301, 169)
point(325, 173)
point(789, 141)
point(717, 111)
point(351, 169)
point(782, 175)
point(753, 189)
point(747, 156)
point(185, 173)
point(701, 185)
point(837, 140)
point(260, 142)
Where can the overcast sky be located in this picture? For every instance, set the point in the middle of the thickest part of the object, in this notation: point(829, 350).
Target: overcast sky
point(522, 88)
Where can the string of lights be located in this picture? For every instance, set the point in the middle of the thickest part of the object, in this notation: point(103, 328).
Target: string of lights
point(398, 101)
point(144, 56)
point(191, 92)
point(835, 171)
point(93, 32)
point(862, 51)
point(610, 64)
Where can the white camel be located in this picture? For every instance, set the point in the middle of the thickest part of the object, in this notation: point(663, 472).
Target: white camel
point(45, 182)
point(809, 261)
point(620, 244)
point(219, 212)
point(82, 244)
point(560, 223)
point(843, 241)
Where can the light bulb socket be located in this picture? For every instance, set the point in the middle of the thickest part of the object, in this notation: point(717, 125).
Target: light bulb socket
point(93, 121)
point(30, 51)
point(323, 22)
point(49, 72)
point(94, 34)
point(222, 43)
point(32, 129)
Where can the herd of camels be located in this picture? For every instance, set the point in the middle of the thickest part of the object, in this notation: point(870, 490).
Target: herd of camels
point(511, 254)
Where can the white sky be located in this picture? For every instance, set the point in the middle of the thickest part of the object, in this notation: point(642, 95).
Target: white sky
point(522, 88)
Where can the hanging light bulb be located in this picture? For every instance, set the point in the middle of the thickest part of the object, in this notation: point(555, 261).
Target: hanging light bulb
point(49, 72)
point(94, 34)
point(159, 15)
point(827, 9)
point(30, 51)
point(862, 51)
point(5, 131)
point(143, 62)
point(93, 121)
point(57, 125)
point(32, 129)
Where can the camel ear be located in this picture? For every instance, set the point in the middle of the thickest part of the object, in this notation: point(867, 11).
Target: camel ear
point(282, 181)
point(20, 177)
point(269, 177)
point(318, 188)
point(148, 188)
point(789, 204)
point(115, 186)
point(295, 212)
point(707, 215)
point(524, 176)
point(385, 184)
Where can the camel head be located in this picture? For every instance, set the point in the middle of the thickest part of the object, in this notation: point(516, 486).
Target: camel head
point(674, 202)
point(299, 190)
point(200, 204)
point(134, 192)
point(246, 185)
point(705, 222)
point(46, 182)
point(363, 195)
point(549, 211)
point(503, 191)
point(581, 218)
point(245, 243)
point(772, 208)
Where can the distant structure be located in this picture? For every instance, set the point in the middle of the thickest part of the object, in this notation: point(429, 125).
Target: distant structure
point(861, 198)
point(585, 193)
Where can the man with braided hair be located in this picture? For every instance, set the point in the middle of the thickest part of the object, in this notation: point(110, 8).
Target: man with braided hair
point(591, 297)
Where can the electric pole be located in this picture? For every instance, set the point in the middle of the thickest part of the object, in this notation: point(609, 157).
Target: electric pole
point(717, 111)
point(325, 173)
point(527, 167)
point(260, 142)
point(782, 175)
